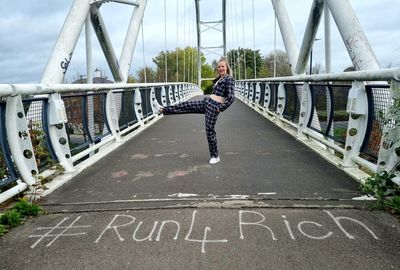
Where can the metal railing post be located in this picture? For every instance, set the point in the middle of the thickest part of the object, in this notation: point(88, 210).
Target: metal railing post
point(281, 100)
point(357, 107)
point(306, 108)
point(138, 108)
point(19, 140)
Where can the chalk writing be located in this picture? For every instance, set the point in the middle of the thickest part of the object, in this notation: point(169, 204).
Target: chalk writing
point(51, 232)
point(258, 223)
point(248, 222)
point(204, 240)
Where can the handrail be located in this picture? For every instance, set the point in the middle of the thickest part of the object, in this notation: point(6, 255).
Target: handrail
point(40, 89)
point(362, 75)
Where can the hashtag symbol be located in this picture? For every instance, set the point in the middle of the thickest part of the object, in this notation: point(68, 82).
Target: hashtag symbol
point(51, 233)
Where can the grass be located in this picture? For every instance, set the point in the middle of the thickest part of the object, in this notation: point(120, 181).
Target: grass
point(16, 215)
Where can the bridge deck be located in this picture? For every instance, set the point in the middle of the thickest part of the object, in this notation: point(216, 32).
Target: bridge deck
point(258, 160)
point(299, 213)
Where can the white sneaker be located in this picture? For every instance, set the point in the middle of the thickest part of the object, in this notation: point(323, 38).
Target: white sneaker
point(214, 160)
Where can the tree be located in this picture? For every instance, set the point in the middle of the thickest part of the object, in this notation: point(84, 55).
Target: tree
point(241, 62)
point(187, 65)
point(150, 73)
point(282, 64)
point(207, 71)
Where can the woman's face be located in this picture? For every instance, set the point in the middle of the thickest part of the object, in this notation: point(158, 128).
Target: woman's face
point(222, 68)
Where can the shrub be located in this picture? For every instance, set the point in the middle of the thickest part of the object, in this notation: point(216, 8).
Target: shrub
point(11, 218)
point(386, 192)
point(3, 229)
point(26, 208)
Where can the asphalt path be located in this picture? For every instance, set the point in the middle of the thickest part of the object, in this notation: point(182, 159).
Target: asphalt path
point(156, 203)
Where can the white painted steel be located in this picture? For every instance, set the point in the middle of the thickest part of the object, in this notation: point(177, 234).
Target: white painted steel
point(267, 95)
point(93, 148)
point(362, 75)
point(58, 134)
point(138, 106)
point(14, 191)
point(310, 34)
point(106, 44)
point(353, 36)
point(289, 39)
point(62, 53)
point(170, 95)
point(327, 39)
point(281, 99)
point(305, 108)
point(357, 107)
point(19, 140)
point(163, 96)
point(128, 49)
point(258, 92)
point(41, 89)
point(112, 115)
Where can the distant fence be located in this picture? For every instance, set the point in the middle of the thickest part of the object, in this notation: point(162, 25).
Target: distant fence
point(45, 126)
point(348, 113)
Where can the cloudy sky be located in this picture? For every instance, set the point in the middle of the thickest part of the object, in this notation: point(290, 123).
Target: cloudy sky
point(29, 30)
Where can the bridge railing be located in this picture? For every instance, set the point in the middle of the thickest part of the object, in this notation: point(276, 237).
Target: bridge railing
point(44, 126)
point(349, 114)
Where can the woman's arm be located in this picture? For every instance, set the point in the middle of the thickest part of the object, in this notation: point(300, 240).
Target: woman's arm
point(230, 90)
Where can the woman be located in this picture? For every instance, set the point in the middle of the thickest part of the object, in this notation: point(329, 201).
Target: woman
point(220, 99)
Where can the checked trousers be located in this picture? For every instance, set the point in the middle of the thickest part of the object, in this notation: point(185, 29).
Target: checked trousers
point(209, 108)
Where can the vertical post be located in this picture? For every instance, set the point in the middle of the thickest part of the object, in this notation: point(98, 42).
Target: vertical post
point(224, 25)
point(357, 107)
point(198, 43)
point(327, 25)
point(89, 76)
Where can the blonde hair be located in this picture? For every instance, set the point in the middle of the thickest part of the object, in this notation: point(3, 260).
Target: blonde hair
point(228, 68)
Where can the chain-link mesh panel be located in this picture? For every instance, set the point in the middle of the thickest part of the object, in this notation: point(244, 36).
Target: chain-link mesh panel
point(379, 99)
point(146, 105)
point(326, 98)
point(34, 116)
point(127, 116)
point(322, 109)
point(292, 106)
point(262, 94)
point(340, 119)
point(274, 97)
point(8, 175)
point(95, 116)
point(77, 136)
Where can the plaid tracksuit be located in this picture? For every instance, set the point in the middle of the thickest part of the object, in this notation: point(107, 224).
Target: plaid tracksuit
point(209, 107)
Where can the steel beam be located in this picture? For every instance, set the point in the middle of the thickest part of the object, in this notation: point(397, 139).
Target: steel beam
point(105, 43)
point(310, 34)
point(62, 52)
point(353, 36)
point(289, 39)
point(128, 49)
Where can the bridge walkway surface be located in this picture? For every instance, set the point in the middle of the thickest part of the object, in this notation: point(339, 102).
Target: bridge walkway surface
point(156, 203)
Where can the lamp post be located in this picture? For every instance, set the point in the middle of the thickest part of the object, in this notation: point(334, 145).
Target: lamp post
point(311, 55)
